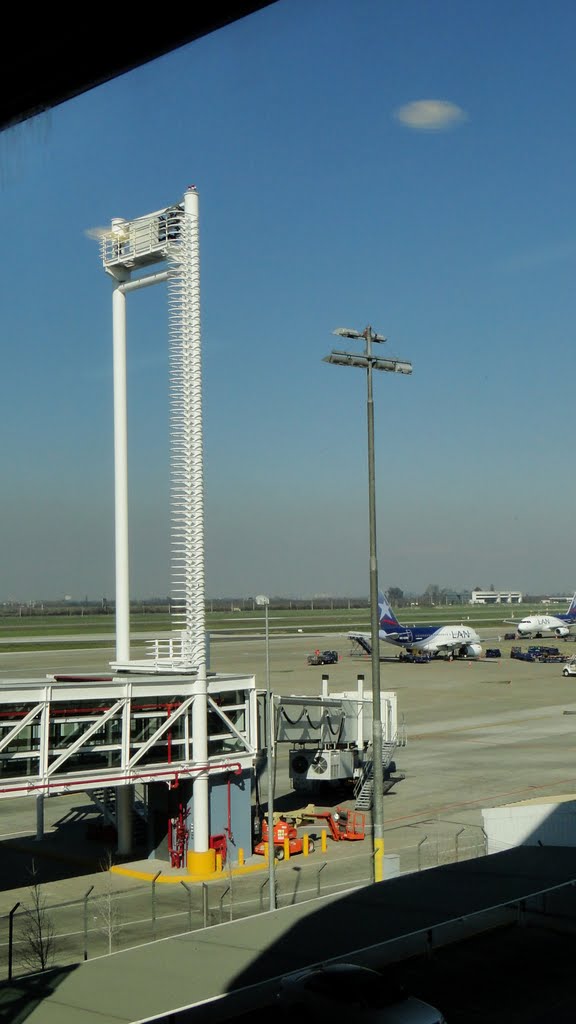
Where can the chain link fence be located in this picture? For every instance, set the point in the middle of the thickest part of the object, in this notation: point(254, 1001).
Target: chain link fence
point(38, 934)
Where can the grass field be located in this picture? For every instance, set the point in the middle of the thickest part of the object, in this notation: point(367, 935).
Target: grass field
point(246, 622)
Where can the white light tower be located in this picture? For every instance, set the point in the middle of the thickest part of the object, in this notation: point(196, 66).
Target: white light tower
point(169, 236)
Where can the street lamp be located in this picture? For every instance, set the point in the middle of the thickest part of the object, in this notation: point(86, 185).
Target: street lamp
point(367, 361)
point(264, 601)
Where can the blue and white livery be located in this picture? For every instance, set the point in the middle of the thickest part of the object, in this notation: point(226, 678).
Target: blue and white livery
point(447, 641)
point(537, 625)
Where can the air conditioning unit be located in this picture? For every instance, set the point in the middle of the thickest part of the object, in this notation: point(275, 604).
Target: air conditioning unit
point(299, 764)
point(320, 765)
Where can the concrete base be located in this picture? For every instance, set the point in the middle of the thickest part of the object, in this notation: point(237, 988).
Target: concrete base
point(201, 863)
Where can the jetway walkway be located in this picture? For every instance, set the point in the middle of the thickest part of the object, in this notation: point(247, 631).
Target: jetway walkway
point(74, 733)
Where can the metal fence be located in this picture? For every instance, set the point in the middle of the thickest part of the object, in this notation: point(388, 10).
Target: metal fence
point(38, 933)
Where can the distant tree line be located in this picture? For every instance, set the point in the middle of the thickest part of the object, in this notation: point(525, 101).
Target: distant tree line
point(432, 596)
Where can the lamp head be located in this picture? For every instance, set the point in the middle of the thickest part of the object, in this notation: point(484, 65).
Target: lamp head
point(347, 332)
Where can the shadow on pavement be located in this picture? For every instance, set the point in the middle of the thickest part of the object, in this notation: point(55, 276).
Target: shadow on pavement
point(76, 846)
point(19, 998)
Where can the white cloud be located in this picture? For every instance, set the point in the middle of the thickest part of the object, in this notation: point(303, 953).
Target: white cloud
point(430, 115)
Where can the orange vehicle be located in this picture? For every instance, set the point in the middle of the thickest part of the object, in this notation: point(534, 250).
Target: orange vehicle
point(350, 825)
point(282, 830)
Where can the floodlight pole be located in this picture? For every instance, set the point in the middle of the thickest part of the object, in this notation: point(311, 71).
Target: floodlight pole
point(377, 767)
point(369, 362)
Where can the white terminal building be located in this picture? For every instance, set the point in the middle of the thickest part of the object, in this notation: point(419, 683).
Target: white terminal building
point(162, 744)
point(496, 597)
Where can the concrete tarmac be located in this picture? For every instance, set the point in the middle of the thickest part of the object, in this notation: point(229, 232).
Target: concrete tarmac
point(479, 734)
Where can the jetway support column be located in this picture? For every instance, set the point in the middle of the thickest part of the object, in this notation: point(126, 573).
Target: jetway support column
point(124, 809)
point(39, 817)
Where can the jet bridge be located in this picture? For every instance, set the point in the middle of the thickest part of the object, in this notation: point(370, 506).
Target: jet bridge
point(104, 734)
point(83, 732)
point(331, 738)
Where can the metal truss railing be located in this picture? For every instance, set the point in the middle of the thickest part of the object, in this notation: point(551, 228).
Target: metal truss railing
point(83, 733)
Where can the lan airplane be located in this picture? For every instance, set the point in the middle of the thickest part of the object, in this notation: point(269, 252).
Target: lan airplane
point(451, 641)
point(536, 625)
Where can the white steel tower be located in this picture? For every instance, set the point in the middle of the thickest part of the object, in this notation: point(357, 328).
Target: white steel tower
point(129, 249)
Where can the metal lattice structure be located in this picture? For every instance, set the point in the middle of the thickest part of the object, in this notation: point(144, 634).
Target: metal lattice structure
point(187, 498)
point(68, 734)
point(169, 236)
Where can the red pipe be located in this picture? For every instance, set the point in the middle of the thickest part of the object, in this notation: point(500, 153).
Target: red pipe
point(228, 829)
point(102, 780)
point(88, 710)
point(169, 737)
point(83, 679)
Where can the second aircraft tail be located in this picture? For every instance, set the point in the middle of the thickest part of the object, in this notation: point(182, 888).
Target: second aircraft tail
point(387, 618)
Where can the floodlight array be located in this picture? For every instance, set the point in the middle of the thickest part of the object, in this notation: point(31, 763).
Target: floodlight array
point(363, 361)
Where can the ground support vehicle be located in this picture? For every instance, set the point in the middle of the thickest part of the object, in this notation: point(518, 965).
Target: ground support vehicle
point(323, 658)
point(415, 659)
point(570, 667)
point(544, 655)
point(342, 825)
point(517, 652)
point(283, 830)
point(493, 652)
point(547, 654)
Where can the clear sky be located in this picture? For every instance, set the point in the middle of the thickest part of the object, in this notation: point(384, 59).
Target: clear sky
point(404, 164)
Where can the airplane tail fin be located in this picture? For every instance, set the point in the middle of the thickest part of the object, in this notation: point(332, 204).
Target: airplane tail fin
point(572, 609)
point(386, 615)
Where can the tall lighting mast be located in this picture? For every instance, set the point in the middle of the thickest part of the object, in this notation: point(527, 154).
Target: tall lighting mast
point(369, 362)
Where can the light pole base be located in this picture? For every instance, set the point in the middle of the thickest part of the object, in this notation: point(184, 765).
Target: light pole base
point(378, 860)
point(201, 863)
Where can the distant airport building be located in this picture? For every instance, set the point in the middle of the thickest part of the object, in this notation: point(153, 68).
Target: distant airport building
point(496, 597)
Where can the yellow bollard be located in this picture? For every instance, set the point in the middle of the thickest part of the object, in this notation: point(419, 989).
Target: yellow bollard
point(218, 862)
point(323, 840)
point(266, 851)
point(240, 857)
point(286, 849)
point(305, 844)
point(378, 860)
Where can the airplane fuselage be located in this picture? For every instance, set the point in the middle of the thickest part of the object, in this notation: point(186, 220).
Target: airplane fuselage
point(434, 639)
point(533, 625)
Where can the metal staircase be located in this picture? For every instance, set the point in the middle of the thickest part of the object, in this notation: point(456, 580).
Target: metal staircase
point(364, 788)
point(105, 801)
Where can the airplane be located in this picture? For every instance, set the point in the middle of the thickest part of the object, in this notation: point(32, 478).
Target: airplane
point(536, 625)
point(439, 640)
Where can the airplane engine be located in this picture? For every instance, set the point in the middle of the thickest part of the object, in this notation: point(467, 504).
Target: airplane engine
point(561, 631)
point(471, 651)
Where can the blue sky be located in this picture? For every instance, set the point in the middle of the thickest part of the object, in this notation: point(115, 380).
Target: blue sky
point(326, 199)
